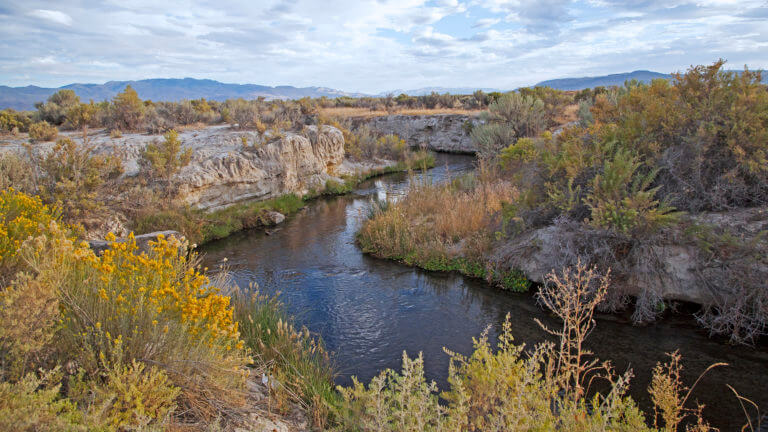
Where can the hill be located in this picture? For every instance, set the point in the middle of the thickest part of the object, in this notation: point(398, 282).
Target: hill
point(440, 90)
point(162, 89)
point(605, 80)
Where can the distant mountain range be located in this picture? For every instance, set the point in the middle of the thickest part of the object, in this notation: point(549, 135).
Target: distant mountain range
point(611, 80)
point(605, 80)
point(160, 89)
point(441, 90)
point(173, 89)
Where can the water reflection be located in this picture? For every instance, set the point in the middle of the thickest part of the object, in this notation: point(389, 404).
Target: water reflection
point(369, 310)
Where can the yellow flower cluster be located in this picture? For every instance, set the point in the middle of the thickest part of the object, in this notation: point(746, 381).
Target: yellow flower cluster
point(21, 216)
point(162, 285)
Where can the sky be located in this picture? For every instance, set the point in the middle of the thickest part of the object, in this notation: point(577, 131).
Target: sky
point(372, 46)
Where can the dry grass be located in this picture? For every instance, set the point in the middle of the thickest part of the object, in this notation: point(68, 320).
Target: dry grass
point(349, 112)
point(570, 114)
point(444, 227)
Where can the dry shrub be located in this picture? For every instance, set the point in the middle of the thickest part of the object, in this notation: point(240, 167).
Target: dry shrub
point(72, 176)
point(508, 389)
point(573, 296)
point(42, 131)
point(436, 215)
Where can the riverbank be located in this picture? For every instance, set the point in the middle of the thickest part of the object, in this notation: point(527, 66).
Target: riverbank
point(369, 310)
point(201, 227)
point(203, 182)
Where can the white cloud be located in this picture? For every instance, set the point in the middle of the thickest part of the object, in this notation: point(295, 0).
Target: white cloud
point(373, 45)
point(486, 22)
point(52, 15)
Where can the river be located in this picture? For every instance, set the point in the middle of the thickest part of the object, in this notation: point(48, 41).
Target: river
point(369, 310)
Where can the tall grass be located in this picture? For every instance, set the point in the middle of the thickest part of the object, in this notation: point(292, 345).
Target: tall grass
point(298, 368)
point(443, 227)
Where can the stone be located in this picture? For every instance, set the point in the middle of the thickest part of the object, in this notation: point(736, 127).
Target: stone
point(142, 241)
point(273, 218)
point(222, 171)
point(438, 132)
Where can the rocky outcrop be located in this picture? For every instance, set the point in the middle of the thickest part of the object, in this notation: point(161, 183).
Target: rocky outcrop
point(439, 132)
point(219, 176)
point(670, 266)
point(230, 166)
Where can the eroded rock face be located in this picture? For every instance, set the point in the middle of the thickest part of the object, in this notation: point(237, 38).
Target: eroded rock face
point(671, 266)
point(440, 132)
point(219, 176)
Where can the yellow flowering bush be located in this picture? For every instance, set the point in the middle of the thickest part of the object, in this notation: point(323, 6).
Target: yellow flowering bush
point(21, 216)
point(149, 306)
point(162, 285)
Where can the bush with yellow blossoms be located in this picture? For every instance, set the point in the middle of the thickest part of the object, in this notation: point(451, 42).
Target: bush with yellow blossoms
point(153, 307)
point(21, 216)
point(64, 307)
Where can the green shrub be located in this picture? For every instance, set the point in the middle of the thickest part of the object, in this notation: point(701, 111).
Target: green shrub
point(166, 158)
point(333, 187)
point(125, 112)
point(42, 131)
point(137, 397)
point(35, 404)
point(706, 131)
point(623, 201)
point(54, 111)
point(14, 121)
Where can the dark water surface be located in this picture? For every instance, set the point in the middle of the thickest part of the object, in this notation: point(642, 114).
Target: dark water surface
point(369, 310)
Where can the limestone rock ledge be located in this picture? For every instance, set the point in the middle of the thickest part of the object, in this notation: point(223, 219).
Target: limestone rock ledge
point(219, 176)
point(440, 132)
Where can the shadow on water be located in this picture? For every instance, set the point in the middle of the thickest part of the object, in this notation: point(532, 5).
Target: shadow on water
point(370, 310)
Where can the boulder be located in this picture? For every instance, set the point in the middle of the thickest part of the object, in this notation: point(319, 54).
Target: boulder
point(273, 218)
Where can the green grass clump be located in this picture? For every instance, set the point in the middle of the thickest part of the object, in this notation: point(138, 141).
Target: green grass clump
point(297, 363)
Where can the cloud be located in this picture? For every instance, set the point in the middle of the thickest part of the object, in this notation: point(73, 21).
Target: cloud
point(52, 15)
point(372, 45)
point(486, 22)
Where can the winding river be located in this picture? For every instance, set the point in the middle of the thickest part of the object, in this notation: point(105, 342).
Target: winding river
point(368, 310)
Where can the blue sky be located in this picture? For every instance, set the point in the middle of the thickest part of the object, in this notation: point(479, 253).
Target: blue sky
point(372, 45)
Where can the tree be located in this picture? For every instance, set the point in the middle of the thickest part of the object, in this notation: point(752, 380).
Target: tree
point(55, 109)
point(126, 112)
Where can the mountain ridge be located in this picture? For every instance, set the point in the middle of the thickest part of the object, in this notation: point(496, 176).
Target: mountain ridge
point(163, 89)
point(618, 79)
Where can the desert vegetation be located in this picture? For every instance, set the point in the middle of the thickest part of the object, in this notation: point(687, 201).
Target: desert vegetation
point(139, 338)
point(550, 386)
point(132, 339)
point(90, 190)
point(643, 166)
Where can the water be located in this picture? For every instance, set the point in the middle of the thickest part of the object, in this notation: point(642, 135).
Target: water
point(369, 310)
